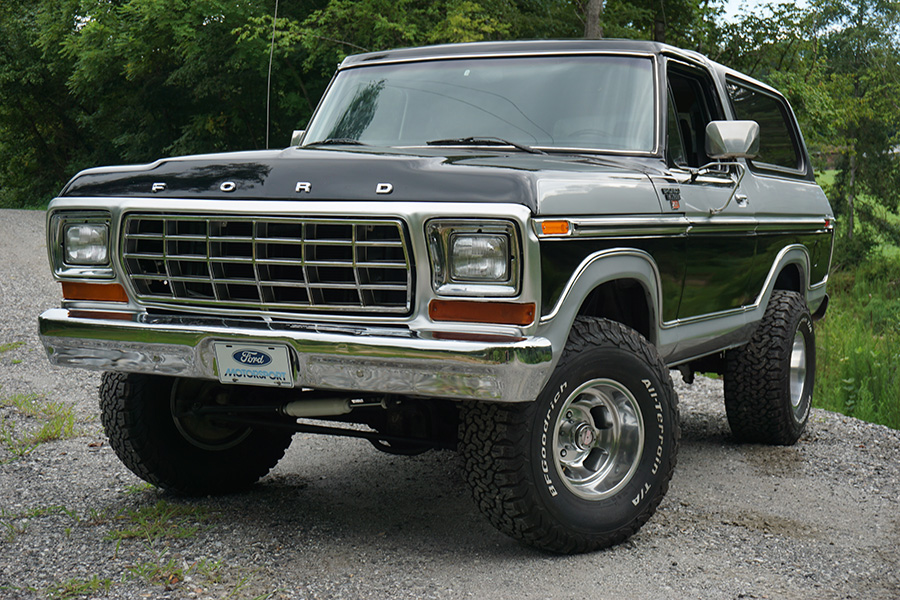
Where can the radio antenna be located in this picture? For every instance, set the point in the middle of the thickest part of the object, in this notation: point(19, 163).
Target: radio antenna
point(269, 80)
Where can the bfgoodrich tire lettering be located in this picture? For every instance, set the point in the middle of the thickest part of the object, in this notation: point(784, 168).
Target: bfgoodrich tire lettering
point(586, 464)
point(192, 456)
point(769, 382)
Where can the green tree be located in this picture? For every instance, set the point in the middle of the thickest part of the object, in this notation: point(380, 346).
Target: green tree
point(839, 64)
point(84, 83)
point(170, 78)
point(345, 27)
point(860, 40)
point(684, 23)
point(40, 132)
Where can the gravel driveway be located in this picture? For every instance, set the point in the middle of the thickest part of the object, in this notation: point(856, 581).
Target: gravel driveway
point(338, 519)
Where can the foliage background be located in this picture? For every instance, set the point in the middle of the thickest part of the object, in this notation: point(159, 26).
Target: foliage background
point(92, 82)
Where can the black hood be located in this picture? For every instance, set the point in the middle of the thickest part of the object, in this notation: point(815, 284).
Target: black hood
point(339, 174)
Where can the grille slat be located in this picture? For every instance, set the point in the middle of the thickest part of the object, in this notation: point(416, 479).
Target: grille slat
point(269, 264)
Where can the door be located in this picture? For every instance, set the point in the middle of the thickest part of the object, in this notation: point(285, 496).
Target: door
point(721, 240)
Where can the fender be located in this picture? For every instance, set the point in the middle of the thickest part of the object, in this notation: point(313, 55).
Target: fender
point(596, 269)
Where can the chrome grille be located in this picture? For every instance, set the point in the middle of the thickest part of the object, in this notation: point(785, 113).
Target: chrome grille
point(269, 264)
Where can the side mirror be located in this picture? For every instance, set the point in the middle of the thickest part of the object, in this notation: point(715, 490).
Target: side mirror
point(729, 140)
point(297, 136)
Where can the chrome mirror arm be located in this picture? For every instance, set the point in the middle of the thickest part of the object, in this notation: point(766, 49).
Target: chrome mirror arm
point(742, 170)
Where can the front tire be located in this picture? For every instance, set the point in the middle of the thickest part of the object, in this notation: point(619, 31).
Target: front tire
point(769, 382)
point(153, 434)
point(586, 464)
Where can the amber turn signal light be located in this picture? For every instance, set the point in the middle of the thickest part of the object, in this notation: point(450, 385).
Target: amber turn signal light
point(101, 292)
point(468, 311)
point(555, 227)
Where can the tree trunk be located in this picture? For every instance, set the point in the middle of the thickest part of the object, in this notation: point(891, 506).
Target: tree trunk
point(592, 29)
point(659, 24)
point(851, 196)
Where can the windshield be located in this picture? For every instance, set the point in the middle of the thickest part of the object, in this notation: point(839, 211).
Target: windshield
point(589, 102)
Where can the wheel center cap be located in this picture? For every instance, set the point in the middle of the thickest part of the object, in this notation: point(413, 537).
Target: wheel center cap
point(585, 436)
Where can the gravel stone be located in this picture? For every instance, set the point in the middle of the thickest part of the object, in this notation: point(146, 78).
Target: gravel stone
point(337, 519)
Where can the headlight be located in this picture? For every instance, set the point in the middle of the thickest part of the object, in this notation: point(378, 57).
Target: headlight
point(79, 244)
point(474, 258)
point(86, 244)
point(479, 257)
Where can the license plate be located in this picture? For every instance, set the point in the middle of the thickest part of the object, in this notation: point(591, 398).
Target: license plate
point(254, 364)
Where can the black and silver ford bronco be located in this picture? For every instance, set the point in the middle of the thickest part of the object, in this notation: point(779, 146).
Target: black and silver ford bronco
point(501, 248)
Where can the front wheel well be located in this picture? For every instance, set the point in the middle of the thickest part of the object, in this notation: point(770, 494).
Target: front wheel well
point(790, 279)
point(624, 301)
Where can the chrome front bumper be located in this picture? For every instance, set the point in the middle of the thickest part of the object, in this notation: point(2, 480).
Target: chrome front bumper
point(368, 359)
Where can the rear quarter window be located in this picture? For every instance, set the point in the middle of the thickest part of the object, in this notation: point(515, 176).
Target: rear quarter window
point(779, 148)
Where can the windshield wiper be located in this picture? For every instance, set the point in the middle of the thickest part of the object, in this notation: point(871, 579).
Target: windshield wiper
point(486, 140)
point(338, 141)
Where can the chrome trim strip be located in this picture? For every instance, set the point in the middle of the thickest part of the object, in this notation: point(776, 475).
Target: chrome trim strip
point(637, 226)
point(364, 359)
point(794, 224)
point(817, 286)
point(677, 225)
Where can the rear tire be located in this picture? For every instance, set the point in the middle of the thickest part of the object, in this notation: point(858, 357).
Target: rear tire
point(189, 455)
point(586, 464)
point(769, 382)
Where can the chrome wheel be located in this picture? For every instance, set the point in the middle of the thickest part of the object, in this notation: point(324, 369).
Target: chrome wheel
point(598, 439)
point(798, 376)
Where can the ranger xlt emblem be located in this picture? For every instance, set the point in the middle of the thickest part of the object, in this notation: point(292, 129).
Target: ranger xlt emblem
point(673, 195)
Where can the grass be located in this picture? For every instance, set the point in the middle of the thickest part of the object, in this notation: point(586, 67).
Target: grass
point(79, 588)
point(161, 520)
point(10, 346)
point(169, 573)
point(146, 525)
point(858, 343)
point(44, 422)
point(12, 525)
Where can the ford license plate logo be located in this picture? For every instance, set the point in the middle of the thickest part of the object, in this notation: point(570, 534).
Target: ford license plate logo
point(252, 357)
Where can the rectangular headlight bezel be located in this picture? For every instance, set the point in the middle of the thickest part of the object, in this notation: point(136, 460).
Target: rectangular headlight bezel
point(444, 237)
point(64, 266)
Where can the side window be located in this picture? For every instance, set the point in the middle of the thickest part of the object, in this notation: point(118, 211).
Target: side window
point(675, 152)
point(691, 107)
point(778, 145)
